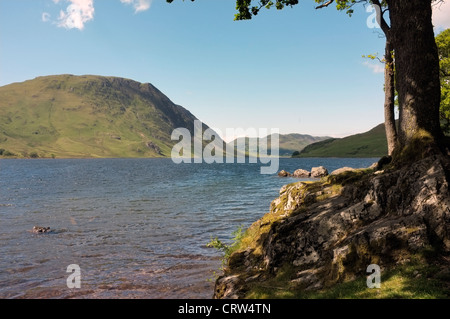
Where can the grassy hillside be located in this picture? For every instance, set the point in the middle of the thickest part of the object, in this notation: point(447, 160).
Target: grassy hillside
point(87, 116)
point(290, 143)
point(370, 144)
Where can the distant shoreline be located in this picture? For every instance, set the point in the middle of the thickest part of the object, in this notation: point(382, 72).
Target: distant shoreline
point(82, 158)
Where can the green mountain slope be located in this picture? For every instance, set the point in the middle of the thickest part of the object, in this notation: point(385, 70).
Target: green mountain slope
point(88, 116)
point(369, 144)
point(288, 143)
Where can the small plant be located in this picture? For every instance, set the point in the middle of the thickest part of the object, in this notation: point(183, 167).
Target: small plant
point(227, 249)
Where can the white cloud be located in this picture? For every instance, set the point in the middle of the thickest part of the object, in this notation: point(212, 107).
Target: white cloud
point(45, 17)
point(77, 14)
point(441, 15)
point(376, 68)
point(139, 5)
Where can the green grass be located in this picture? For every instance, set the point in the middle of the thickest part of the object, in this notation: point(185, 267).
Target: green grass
point(227, 249)
point(415, 280)
point(87, 116)
point(369, 144)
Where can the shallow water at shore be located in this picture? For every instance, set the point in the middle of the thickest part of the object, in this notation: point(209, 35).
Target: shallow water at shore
point(137, 228)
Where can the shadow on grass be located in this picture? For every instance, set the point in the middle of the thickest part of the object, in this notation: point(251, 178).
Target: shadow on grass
point(411, 281)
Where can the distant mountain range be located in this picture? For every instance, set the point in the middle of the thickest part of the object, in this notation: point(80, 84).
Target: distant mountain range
point(69, 116)
point(288, 143)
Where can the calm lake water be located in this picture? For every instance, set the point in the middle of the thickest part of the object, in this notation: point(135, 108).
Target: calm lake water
point(137, 228)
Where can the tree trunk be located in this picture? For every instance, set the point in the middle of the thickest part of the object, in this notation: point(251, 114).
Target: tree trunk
point(389, 95)
point(417, 72)
point(389, 82)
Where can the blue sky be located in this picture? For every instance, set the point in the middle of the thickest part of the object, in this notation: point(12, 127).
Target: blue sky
point(299, 70)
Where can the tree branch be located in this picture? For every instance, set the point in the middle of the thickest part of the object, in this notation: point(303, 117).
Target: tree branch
point(326, 4)
point(383, 24)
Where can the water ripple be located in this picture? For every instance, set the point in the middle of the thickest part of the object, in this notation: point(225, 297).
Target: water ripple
point(137, 228)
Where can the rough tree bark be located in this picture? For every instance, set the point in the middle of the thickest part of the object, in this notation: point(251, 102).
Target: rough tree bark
point(417, 72)
point(389, 82)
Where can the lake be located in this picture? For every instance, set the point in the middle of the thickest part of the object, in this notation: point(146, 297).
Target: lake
point(137, 228)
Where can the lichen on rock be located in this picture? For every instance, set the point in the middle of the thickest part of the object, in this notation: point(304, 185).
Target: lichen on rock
point(329, 231)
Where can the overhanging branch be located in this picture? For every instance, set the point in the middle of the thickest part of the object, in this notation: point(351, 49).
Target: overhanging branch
point(326, 4)
point(380, 16)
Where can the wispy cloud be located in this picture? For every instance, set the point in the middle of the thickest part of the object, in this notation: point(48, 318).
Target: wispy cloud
point(139, 5)
point(77, 14)
point(441, 15)
point(375, 67)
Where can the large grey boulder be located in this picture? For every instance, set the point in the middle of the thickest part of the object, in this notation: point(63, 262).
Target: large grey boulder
point(301, 173)
point(318, 172)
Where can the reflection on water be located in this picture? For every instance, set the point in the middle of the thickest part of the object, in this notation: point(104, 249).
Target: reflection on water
point(138, 228)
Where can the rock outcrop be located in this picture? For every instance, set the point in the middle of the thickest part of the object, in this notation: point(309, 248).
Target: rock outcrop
point(154, 147)
point(330, 231)
point(318, 172)
point(343, 170)
point(301, 173)
point(283, 173)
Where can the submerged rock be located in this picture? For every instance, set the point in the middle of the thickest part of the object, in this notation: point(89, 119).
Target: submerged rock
point(41, 230)
point(283, 173)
